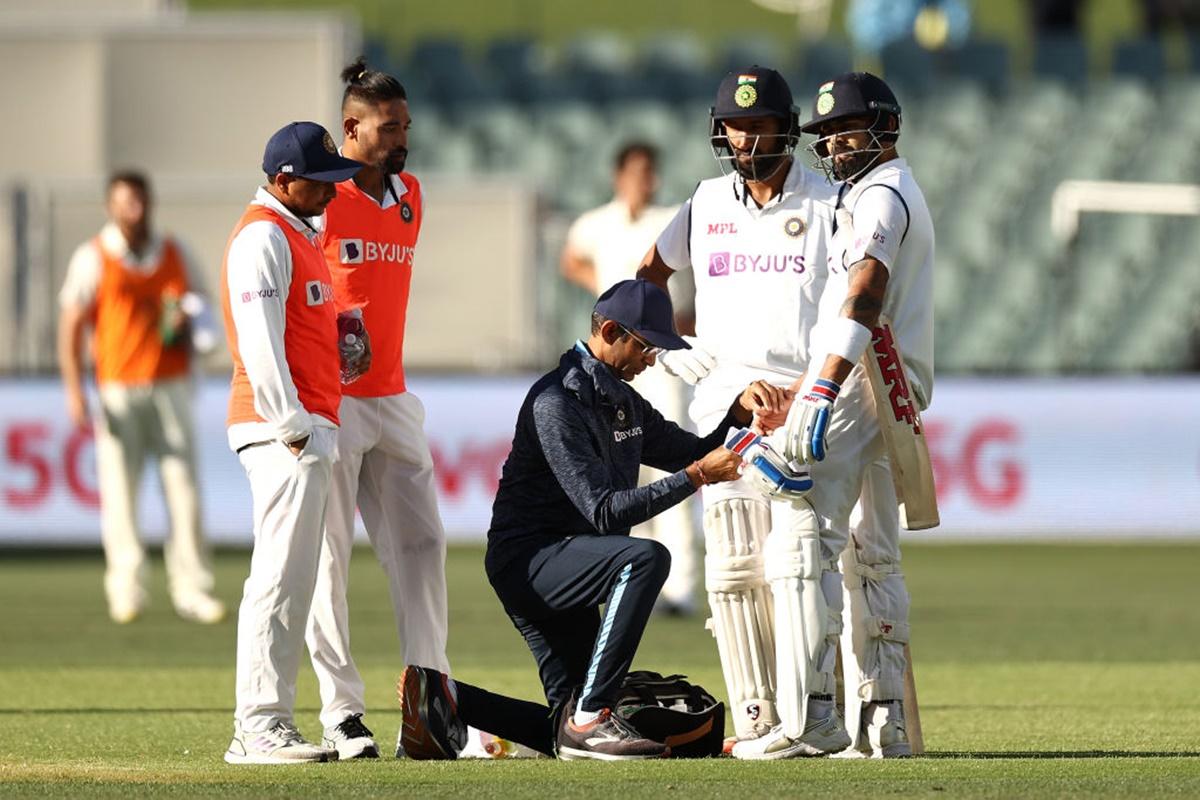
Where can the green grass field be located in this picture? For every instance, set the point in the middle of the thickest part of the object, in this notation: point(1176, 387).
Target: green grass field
point(1043, 671)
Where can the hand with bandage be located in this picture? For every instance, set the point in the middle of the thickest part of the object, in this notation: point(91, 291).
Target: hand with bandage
point(766, 470)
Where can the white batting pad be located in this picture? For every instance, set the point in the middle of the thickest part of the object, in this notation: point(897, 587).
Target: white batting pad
point(734, 532)
point(876, 630)
point(808, 603)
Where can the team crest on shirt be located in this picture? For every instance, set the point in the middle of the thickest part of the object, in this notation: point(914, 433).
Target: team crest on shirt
point(350, 251)
point(793, 227)
point(406, 212)
point(620, 415)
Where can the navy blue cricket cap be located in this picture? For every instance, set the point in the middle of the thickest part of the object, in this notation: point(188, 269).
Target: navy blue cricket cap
point(753, 92)
point(643, 308)
point(306, 150)
point(852, 94)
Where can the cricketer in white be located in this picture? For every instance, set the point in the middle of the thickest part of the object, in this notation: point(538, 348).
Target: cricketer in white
point(756, 243)
point(881, 262)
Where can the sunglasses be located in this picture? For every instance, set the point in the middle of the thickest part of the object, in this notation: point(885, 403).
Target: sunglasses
point(647, 348)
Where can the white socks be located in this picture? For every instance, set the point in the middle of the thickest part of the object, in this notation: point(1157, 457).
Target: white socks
point(582, 717)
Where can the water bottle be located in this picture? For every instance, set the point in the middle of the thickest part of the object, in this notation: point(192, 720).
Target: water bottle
point(351, 344)
point(171, 320)
point(496, 747)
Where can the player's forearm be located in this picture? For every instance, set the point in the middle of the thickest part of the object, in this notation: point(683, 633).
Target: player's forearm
point(622, 509)
point(579, 271)
point(849, 335)
point(70, 365)
point(654, 269)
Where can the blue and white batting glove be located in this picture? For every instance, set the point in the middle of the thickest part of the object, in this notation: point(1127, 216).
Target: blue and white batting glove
point(766, 470)
point(807, 422)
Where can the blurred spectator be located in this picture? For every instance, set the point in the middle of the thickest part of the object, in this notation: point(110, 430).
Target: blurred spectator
point(1055, 16)
point(140, 292)
point(1164, 14)
point(604, 246)
point(874, 24)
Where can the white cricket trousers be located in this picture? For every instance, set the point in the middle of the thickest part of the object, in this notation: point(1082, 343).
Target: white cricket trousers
point(290, 494)
point(383, 467)
point(677, 528)
point(137, 421)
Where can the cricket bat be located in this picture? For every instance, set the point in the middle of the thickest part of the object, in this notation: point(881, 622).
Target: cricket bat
point(912, 711)
point(900, 421)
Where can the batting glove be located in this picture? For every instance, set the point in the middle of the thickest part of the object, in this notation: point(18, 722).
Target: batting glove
point(808, 421)
point(766, 470)
point(690, 366)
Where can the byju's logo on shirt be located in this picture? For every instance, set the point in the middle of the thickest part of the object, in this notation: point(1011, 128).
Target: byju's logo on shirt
point(318, 292)
point(357, 251)
point(735, 263)
point(350, 251)
point(259, 294)
point(620, 436)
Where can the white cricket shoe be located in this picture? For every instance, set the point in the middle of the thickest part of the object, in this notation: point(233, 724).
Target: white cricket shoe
point(823, 734)
point(126, 607)
point(202, 608)
point(279, 744)
point(883, 734)
point(351, 738)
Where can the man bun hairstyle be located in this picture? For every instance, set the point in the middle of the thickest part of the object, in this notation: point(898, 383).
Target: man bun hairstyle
point(368, 85)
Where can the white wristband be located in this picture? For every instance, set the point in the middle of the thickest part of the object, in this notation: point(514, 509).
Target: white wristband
point(846, 338)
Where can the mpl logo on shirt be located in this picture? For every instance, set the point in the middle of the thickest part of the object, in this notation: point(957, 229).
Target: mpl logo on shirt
point(726, 263)
point(358, 251)
point(318, 292)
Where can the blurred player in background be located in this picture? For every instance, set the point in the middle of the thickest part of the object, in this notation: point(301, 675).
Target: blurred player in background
point(383, 465)
point(756, 241)
point(606, 245)
point(136, 287)
point(881, 263)
point(283, 415)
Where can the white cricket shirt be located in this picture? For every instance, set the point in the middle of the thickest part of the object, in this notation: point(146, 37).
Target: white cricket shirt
point(615, 241)
point(759, 272)
point(884, 216)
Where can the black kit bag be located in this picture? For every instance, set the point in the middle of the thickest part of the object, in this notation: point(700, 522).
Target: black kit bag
point(671, 710)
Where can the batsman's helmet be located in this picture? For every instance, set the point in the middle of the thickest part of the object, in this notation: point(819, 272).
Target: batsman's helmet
point(854, 95)
point(754, 92)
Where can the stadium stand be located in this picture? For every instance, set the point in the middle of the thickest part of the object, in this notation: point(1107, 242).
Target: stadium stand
point(991, 132)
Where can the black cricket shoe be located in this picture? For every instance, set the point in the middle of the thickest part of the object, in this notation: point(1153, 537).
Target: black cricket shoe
point(606, 738)
point(431, 729)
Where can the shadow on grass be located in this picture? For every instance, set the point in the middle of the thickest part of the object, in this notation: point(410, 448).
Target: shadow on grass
point(984, 755)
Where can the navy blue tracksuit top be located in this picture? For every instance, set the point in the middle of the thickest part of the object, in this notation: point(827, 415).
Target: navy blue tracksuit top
point(581, 435)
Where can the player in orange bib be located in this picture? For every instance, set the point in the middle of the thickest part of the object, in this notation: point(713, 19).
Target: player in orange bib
point(282, 423)
point(383, 466)
point(135, 287)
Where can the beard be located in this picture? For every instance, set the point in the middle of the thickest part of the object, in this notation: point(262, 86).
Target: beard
point(848, 166)
point(760, 167)
point(395, 161)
